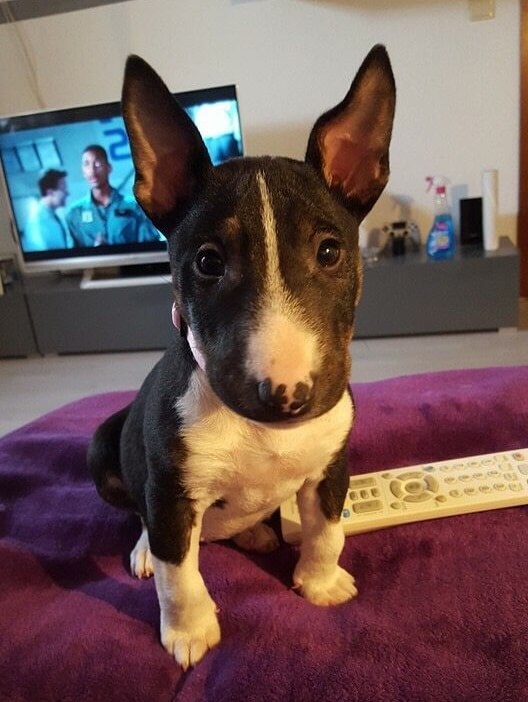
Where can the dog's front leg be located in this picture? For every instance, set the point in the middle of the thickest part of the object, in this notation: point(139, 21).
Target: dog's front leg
point(189, 625)
point(317, 575)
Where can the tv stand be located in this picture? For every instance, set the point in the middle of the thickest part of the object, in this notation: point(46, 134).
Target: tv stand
point(126, 276)
point(127, 316)
point(474, 291)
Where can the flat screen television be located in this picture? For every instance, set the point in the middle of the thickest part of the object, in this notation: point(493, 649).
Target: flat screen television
point(48, 184)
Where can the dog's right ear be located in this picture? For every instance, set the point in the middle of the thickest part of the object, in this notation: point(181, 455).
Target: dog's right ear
point(170, 157)
point(349, 144)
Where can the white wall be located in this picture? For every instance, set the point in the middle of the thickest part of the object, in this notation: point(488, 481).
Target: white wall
point(458, 97)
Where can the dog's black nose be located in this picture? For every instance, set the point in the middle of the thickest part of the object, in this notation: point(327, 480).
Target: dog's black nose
point(278, 398)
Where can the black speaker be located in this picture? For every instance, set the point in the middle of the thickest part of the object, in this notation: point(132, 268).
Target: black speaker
point(471, 221)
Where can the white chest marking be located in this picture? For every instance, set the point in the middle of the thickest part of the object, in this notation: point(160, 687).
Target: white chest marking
point(252, 467)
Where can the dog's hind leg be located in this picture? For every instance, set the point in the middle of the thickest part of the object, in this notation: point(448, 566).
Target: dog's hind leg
point(140, 557)
point(260, 538)
point(104, 461)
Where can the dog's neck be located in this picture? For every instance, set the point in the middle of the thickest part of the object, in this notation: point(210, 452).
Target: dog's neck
point(186, 332)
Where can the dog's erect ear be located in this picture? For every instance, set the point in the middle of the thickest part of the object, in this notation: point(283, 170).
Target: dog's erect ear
point(170, 157)
point(349, 145)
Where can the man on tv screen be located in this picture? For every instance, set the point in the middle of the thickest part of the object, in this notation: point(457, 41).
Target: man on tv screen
point(106, 216)
point(44, 228)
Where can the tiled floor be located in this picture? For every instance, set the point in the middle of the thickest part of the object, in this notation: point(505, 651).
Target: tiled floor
point(31, 387)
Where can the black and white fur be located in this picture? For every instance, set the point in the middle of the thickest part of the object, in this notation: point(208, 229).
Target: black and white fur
point(266, 276)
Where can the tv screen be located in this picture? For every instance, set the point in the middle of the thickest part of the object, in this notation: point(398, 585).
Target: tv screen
point(69, 181)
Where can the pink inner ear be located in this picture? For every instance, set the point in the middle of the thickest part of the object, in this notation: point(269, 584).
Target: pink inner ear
point(350, 164)
point(171, 181)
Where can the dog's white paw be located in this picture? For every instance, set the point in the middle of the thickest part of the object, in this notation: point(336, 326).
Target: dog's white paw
point(325, 591)
point(141, 559)
point(189, 643)
point(260, 538)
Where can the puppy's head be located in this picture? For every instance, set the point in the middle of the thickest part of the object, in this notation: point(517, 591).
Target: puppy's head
point(264, 251)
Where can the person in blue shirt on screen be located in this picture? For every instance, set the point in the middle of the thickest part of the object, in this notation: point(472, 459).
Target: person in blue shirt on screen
point(44, 229)
point(106, 216)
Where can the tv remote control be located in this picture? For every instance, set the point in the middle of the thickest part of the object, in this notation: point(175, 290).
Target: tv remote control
point(427, 491)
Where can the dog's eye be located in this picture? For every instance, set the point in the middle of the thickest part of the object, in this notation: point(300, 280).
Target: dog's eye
point(209, 262)
point(329, 253)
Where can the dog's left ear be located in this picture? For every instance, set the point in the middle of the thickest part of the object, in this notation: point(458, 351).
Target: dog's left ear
point(170, 157)
point(349, 145)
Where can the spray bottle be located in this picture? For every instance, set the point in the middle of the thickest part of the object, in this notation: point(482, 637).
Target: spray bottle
point(441, 239)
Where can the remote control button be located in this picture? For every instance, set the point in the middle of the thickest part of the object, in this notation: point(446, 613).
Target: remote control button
point(478, 476)
point(387, 476)
point(523, 468)
point(509, 476)
point(485, 489)
point(487, 462)
point(493, 473)
point(499, 486)
point(396, 505)
point(455, 493)
point(413, 475)
point(396, 488)
point(370, 506)
point(414, 486)
point(518, 456)
point(432, 483)
point(353, 496)
point(459, 466)
point(445, 468)
point(450, 479)
point(516, 487)
point(421, 497)
point(473, 464)
point(429, 469)
point(470, 491)
point(440, 498)
point(465, 477)
point(357, 483)
point(375, 492)
point(364, 494)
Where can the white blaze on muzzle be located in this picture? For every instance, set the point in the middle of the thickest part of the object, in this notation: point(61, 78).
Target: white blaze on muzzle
point(283, 350)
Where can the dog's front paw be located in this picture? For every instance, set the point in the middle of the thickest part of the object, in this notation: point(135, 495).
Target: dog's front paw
point(189, 643)
point(324, 591)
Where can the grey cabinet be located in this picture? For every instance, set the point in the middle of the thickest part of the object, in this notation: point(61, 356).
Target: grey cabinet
point(473, 291)
point(16, 332)
point(411, 294)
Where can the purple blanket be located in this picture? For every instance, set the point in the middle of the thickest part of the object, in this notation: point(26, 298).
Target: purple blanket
point(442, 612)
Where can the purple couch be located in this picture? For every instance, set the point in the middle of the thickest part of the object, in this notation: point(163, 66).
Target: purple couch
point(442, 612)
